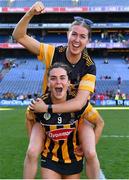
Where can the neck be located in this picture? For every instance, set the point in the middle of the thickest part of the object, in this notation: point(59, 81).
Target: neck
point(72, 58)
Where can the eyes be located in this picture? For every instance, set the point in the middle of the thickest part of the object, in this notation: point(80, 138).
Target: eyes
point(54, 78)
point(81, 36)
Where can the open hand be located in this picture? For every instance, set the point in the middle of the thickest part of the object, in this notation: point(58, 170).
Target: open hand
point(38, 105)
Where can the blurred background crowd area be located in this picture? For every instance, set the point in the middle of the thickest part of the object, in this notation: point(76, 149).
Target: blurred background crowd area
point(21, 74)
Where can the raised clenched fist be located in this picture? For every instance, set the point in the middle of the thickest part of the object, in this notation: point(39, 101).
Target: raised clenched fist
point(37, 8)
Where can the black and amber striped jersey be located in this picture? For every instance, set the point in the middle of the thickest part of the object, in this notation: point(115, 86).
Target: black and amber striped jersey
point(83, 74)
point(61, 134)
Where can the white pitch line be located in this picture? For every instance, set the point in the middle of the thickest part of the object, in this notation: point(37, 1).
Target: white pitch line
point(6, 109)
point(115, 136)
point(112, 108)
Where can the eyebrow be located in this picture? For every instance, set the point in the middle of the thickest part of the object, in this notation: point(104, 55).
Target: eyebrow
point(77, 33)
point(60, 75)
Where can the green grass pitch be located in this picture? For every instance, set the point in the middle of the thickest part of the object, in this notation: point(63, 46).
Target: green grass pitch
point(113, 147)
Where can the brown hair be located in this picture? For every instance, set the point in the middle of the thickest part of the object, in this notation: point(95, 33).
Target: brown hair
point(60, 65)
point(83, 23)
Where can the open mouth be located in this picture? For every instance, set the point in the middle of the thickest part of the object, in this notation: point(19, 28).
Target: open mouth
point(59, 89)
point(75, 46)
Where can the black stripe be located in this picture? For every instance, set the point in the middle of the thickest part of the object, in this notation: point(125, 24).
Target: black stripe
point(51, 146)
point(71, 147)
point(59, 151)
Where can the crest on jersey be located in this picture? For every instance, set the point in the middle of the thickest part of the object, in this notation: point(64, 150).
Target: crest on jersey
point(47, 116)
point(72, 115)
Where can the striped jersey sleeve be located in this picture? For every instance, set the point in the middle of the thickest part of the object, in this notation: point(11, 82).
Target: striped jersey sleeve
point(87, 83)
point(46, 54)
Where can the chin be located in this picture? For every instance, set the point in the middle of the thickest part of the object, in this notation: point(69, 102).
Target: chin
point(59, 97)
point(76, 52)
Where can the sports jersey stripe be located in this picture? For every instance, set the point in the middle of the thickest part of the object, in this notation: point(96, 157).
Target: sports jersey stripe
point(59, 125)
point(46, 148)
point(41, 55)
point(46, 53)
point(59, 151)
point(75, 140)
point(89, 114)
point(89, 61)
point(75, 143)
point(51, 146)
point(89, 77)
point(49, 52)
point(87, 83)
point(44, 84)
point(54, 151)
point(72, 142)
point(65, 153)
point(87, 58)
point(53, 127)
point(66, 126)
point(92, 115)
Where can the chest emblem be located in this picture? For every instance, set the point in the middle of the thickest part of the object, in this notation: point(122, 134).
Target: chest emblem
point(47, 116)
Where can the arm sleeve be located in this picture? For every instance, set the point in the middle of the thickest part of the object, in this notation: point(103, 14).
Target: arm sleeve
point(88, 80)
point(46, 54)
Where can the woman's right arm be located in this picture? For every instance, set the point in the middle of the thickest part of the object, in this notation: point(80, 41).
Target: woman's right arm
point(20, 31)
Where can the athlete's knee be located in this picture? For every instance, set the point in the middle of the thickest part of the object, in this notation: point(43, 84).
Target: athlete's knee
point(91, 155)
point(33, 153)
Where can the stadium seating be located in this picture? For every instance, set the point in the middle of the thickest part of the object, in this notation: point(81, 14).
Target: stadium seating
point(4, 39)
point(3, 3)
point(115, 68)
point(107, 75)
point(65, 3)
point(103, 3)
point(24, 79)
point(112, 85)
point(103, 86)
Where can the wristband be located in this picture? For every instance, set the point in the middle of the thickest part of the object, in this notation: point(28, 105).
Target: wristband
point(50, 108)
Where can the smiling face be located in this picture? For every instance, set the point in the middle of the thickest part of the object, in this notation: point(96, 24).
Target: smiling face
point(78, 38)
point(58, 84)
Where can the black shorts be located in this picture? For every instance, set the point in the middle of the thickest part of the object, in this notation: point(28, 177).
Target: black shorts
point(62, 168)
